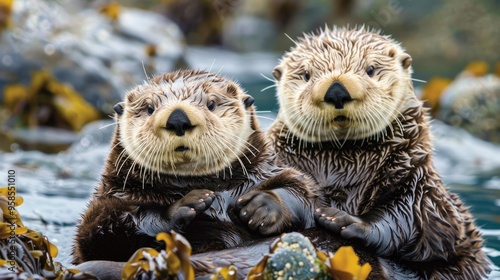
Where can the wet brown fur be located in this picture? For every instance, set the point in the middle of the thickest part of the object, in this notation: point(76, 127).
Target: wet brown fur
point(131, 190)
point(375, 167)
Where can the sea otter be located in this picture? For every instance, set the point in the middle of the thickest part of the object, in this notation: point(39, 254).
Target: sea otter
point(350, 118)
point(188, 155)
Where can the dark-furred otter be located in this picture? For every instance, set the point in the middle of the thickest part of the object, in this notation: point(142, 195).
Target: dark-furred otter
point(189, 155)
point(349, 117)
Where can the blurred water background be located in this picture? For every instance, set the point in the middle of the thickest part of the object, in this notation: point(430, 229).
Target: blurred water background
point(64, 64)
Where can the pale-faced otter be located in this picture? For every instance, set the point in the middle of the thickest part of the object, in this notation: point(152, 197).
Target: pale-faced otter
point(189, 155)
point(349, 117)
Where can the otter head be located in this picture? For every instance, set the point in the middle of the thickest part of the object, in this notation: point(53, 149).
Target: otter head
point(185, 123)
point(342, 84)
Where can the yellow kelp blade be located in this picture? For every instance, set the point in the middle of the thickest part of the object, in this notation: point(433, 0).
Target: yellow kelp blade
point(6, 230)
point(6, 5)
point(344, 265)
point(111, 10)
point(171, 262)
point(66, 100)
point(5, 14)
point(42, 242)
point(477, 68)
point(137, 261)
point(183, 251)
point(62, 99)
point(10, 220)
point(11, 194)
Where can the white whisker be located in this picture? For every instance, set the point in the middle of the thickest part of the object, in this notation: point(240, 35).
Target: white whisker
point(217, 74)
point(267, 78)
point(266, 88)
point(265, 118)
point(210, 69)
point(108, 125)
point(144, 69)
point(418, 80)
point(291, 39)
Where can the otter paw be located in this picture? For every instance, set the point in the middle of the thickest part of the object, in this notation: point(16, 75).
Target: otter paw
point(340, 222)
point(261, 212)
point(185, 209)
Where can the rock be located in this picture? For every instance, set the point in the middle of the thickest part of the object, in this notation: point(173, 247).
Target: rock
point(99, 57)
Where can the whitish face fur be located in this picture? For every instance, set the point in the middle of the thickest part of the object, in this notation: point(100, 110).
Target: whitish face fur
point(208, 132)
point(371, 74)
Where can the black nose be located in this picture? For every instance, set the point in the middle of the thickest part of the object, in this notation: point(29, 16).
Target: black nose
point(337, 95)
point(179, 122)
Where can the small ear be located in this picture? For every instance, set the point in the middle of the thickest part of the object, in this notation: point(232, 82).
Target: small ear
point(232, 89)
point(248, 101)
point(277, 72)
point(118, 108)
point(406, 60)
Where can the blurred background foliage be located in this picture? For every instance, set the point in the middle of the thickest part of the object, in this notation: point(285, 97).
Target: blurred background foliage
point(53, 53)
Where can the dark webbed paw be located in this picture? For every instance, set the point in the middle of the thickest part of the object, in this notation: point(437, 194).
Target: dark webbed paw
point(262, 212)
point(187, 208)
point(340, 222)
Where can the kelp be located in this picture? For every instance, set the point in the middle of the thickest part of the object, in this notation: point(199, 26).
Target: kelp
point(292, 256)
point(47, 102)
point(25, 253)
point(111, 10)
point(344, 264)
point(10, 221)
point(171, 263)
point(5, 14)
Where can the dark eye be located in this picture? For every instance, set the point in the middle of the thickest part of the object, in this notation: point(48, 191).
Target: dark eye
point(211, 105)
point(307, 76)
point(151, 109)
point(370, 71)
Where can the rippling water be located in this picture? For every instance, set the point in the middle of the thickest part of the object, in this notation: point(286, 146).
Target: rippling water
point(56, 188)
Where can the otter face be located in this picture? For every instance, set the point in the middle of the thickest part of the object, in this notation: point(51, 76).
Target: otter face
point(342, 84)
point(185, 123)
